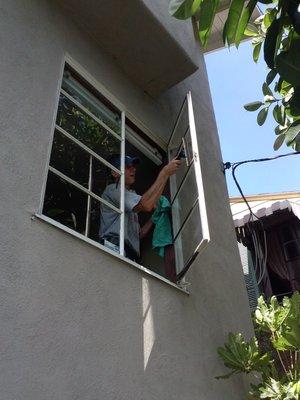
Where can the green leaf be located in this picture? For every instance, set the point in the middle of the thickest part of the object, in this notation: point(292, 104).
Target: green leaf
point(292, 132)
point(255, 105)
point(279, 141)
point(288, 338)
point(262, 116)
point(276, 390)
point(183, 9)
point(207, 14)
point(278, 114)
point(266, 90)
point(271, 76)
point(288, 63)
point(294, 103)
point(251, 30)
point(270, 43)
point(245, 18)
point(233, 19)
point(242, 356)
point(269, 17)
point(256, 51)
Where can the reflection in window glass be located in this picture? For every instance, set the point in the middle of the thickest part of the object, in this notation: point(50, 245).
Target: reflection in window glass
point(65, 203)
point(112, 118)
point(94, 220)
point(187, 240)
point(85, 129)
point(184, 200)
point(101, 178)
point(68, 158)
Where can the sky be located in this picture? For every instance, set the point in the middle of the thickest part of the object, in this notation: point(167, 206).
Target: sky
point(236, 80)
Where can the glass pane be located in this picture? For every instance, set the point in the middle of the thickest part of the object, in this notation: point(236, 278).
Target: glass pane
point(179, 132)
point(65, 204)
point(189, 147)
point(108, 225)
point(103, 181)
point(87, 130)
point(184, 200)
point(94, 220)
point(105, 112)
point(188, 239)
point(70, 159)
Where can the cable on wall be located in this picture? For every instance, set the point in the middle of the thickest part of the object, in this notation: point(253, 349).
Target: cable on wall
point(259, 246)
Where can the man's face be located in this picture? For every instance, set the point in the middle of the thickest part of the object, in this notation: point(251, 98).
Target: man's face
point(130, 171)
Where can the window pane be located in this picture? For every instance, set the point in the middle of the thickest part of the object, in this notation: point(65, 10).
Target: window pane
point(110, 116)
point(188, 239)
point(70, 159)
point(65, 203)
point(188, 147)
point(94, 220)
point(101, 179)
point(108, 226)
point(179, 132)
point(184, 200)
point(86, 129)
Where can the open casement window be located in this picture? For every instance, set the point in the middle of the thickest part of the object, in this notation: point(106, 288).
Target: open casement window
point(189, 218)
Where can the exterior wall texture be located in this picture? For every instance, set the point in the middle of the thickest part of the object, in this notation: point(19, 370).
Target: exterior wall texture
point(76, 323)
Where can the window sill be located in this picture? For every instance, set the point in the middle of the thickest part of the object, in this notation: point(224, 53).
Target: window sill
point(106, 250)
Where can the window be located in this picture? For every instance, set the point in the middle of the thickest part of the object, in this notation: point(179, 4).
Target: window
point(90, 132)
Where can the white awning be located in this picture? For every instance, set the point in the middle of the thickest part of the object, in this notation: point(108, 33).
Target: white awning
point(241, 213)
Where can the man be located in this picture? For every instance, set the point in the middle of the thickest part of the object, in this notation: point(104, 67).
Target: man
point(134, 203)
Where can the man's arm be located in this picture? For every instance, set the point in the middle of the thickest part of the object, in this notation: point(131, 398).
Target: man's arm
point(149, 199)
point(146, 228)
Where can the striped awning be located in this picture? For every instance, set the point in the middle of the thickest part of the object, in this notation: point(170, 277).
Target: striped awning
point(241, 213)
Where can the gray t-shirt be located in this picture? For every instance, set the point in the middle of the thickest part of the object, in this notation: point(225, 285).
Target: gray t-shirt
point(110, 220)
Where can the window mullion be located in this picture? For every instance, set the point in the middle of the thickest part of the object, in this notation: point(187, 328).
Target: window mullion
point(88, 210)
point(122, 181)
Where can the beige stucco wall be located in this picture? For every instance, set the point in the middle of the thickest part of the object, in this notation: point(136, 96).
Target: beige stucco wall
point(76, 323)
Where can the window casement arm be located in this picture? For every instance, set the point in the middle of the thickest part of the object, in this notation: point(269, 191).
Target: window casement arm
point(83, 189)
point(86, 111)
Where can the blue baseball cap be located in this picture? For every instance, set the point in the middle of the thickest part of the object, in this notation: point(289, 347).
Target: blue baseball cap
point(115, 160)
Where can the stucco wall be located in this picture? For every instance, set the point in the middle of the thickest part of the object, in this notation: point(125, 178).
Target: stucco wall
point(76, 323)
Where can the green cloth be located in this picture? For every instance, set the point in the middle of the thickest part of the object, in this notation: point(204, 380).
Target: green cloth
point(162, 234)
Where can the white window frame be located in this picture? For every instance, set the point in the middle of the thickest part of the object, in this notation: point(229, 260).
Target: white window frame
point(124, 113)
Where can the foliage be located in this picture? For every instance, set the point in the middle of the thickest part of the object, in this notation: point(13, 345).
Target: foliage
point(277, 33)
point(281, 324)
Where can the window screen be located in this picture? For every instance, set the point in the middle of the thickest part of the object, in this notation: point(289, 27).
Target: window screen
point(189, 218)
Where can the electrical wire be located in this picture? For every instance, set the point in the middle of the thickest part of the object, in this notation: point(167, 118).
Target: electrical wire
point(260, 246)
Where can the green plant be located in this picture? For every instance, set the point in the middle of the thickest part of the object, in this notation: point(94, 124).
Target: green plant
point(277, 32)
point(278, 369)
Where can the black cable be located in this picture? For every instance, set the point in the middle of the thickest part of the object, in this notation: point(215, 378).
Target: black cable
point(235, 165)
point(248, 225)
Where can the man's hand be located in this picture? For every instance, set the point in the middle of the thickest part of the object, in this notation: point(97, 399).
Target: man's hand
point(150, 198)
point(172, 167)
